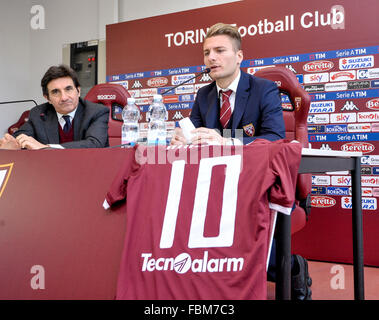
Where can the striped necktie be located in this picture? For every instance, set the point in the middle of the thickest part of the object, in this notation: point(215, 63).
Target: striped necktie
point(226, 110)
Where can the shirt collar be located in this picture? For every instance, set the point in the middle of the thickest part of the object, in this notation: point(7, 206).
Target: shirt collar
point(233, 86)
point(71, 114)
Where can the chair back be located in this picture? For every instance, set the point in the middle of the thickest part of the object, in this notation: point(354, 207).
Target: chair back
point(114, 96)
point(23, 118)
point(295, 113)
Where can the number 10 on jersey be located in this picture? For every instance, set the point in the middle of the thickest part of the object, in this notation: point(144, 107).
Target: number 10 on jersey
point(229, 203)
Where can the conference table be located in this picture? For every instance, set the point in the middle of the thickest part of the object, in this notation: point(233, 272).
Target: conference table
point(52, 223)
point(323, 161)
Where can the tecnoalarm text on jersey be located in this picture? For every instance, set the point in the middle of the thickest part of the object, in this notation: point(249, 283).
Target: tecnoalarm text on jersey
point(183, 263)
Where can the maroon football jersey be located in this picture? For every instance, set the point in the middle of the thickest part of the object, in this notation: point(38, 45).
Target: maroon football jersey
point(199, 218)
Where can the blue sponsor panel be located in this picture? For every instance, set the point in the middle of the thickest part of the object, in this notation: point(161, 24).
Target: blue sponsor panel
point(338, 191)
point(375, 83)
point(156, 73)
point(316, 128)
point(186, 97)
point(311, 56)
point(256, 62)
point(288, 59)
point(169, 106)
point(352, 52)
point(347, 137)
point(337, 95)
point(318, 190)
point(179, 106)
point(317, 137)
point(193, 69)
point(129, 76)
point(300, 78)
point(375, 170)
point(336, 128)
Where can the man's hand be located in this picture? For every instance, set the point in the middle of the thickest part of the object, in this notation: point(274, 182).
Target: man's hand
point(29, 142)
point(208, 136)
point(178, 137)
point(9, 142)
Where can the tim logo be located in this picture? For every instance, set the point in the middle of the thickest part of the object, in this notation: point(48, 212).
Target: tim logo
point(5, 172)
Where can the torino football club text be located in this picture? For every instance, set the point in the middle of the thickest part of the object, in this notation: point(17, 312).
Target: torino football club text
point(334, 18)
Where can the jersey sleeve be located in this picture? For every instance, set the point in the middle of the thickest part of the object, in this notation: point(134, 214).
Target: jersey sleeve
point(285, 166)
point(117, 190)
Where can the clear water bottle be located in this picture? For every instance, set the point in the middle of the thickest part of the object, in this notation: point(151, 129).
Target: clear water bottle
point(130, 127)
point(157, 116)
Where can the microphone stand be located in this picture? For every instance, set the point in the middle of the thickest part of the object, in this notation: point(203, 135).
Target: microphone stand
point(206, 70)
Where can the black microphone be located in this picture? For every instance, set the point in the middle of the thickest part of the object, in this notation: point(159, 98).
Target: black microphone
point(42, 116)
point(206, 70)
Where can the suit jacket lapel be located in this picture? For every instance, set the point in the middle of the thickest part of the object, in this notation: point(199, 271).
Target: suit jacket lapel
point(51, 126)
point(212, 116)
point(78, 120)
point(241, 99)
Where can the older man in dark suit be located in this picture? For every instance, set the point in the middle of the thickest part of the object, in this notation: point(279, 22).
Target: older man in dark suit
point(65, 121)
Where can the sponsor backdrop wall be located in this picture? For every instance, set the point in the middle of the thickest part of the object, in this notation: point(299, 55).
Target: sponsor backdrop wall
point(332, 48)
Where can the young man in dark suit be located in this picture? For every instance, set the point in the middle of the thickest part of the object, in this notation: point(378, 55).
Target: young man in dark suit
point(236, 102)
point(255, 104)
point(65, 121)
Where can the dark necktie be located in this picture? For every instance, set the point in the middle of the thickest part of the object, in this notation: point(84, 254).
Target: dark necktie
point(226, 110)
point(67, 125)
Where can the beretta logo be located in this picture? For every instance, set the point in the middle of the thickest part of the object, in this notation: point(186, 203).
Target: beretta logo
point(363, 147)
point(373, 104)
point(157, 82)
point(317, 66)
point(322, 202)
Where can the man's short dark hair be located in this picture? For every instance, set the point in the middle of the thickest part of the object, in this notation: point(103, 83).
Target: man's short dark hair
point(56, 72)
